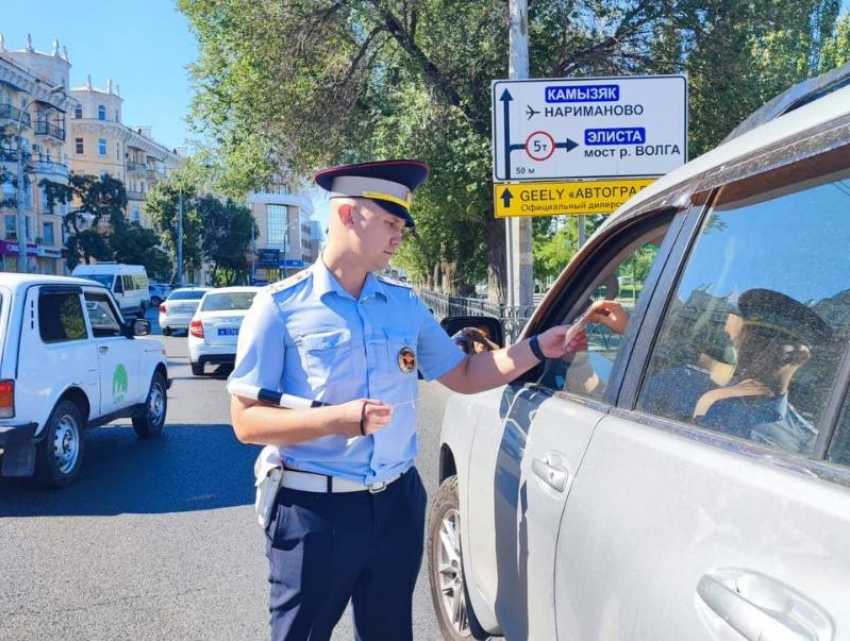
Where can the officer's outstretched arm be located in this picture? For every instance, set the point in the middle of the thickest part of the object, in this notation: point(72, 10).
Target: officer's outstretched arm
point(480, 372)
point(262, 424)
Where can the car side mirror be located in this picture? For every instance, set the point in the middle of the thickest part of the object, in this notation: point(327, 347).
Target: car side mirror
point(478, 333)
point(141, 327)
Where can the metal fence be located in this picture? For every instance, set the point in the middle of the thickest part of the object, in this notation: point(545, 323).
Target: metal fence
point(513, 318)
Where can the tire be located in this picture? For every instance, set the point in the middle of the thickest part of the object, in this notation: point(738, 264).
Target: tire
point(445, 567)
point(59, 457)
point(166, 331)
point(152, 420)
point(197, 369)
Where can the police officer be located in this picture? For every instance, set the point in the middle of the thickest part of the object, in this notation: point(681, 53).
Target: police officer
point(776, 340)
point(349, 519)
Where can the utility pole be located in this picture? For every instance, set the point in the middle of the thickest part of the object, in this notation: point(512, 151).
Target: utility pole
point(518, 237)
point(180, 237)
point(253, 252)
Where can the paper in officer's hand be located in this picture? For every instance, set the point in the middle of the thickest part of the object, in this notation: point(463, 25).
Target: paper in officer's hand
point(576, 327)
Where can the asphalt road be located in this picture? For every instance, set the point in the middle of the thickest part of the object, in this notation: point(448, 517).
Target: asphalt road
point(157, 539)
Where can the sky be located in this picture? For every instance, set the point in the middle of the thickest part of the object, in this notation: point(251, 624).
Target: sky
point(144, 46)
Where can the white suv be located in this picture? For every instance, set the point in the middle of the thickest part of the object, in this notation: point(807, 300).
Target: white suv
point(687, 474)
point(69, 362)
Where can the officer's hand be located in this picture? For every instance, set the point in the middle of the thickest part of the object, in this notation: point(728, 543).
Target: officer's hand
point(610, 314)
point(375, 414)
point(562, 340)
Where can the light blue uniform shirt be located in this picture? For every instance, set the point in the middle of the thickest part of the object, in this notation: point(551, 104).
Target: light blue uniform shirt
point(308, 337)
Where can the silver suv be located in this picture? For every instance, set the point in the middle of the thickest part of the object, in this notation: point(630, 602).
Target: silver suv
point(688, 475)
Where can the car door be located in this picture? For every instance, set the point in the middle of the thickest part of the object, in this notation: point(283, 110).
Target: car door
point(532, 436)
point(118, 356)
point(704, 508)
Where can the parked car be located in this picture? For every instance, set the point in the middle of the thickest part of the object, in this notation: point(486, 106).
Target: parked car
point(128, 284)
point(688, 478)
point(69, 362)
point(158, 292)
point(179, 308)
point(214, 330)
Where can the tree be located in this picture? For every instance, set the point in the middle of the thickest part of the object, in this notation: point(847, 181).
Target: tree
point(226, 239)
point(304, 83)
point(161, 208)
point(132, 244)
point(92, 201)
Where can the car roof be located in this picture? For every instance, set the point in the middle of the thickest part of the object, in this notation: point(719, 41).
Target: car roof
point(234, 289)
point(16, 281)
point(785, 128)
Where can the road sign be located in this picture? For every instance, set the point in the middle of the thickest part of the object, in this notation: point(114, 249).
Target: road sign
point(560, 129)
point(292, 262)
point(268, 258)
point(564, 198)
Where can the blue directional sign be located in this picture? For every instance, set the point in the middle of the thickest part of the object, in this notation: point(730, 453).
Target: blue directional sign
point(561, 129)
point(291, 263)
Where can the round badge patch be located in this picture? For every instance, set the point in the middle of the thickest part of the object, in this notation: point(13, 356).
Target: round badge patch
point(406, 360)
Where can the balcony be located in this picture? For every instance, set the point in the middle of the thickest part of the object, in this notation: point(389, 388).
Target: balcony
point(44, 128)
point(136, 195)
point(11, 113)
point(42, 165)
point(134, 165)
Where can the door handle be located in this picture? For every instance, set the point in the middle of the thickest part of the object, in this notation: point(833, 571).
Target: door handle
point(103, 349)
point(762, 609)
point(551, 470)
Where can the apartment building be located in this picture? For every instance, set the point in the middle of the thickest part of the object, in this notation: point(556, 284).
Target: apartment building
point(100, 143)
point(285, 231)
point(33, 104)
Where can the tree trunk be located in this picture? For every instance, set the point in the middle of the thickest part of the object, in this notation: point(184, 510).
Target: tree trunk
point(497, 277)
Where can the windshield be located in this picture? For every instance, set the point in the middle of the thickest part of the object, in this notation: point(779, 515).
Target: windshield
point(188, 294)
point(227, 302)
point(103, 279)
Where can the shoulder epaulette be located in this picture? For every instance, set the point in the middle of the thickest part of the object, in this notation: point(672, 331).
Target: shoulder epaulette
point(286, 283)
point(390, 281)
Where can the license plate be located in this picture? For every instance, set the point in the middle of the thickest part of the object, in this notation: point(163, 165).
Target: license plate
point(228, 331)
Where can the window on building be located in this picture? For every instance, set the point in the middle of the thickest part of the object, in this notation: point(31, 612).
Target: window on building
point(278, 215)
point(47, 233)
point(134, 215)
point(11, 227)
point(118, 151)
point(27, 223)
point(101, 146)
point(60, 317)
point(78, 111)
point(101, 112)
point(78, 142)
point(117, 119)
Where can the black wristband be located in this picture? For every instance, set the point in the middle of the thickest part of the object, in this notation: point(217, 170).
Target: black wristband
point(534, 344)
point(363, 420)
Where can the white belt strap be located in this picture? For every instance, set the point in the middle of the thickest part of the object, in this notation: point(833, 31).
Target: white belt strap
point(307, 482)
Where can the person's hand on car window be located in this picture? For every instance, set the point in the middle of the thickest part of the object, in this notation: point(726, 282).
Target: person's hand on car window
point(610, 314)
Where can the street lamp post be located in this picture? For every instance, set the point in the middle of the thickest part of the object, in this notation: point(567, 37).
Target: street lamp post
point(179, 278)
point(20, 217)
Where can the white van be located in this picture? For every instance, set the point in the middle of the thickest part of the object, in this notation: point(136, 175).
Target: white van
point(128, 283)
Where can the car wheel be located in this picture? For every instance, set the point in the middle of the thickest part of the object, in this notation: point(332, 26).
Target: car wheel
point(198, 369)
point(59, 457)
point(152, 419)
point(445, 567)
point(166, 331)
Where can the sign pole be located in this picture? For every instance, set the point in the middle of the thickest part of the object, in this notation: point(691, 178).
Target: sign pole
point(518, 236)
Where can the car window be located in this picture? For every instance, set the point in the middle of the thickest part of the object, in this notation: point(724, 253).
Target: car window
point(839, 450)
point(103, 279)
point(621, 282)
point(187, 294)
point(101, 316)
point(750, 342)
point(128, 283)
point(118, 288)
point(60, 317)
point(227, 302)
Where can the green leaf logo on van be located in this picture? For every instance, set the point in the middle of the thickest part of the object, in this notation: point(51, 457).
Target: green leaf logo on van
point(120, 383)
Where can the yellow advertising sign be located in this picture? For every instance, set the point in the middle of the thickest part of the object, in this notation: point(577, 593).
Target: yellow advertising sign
point(564, 198)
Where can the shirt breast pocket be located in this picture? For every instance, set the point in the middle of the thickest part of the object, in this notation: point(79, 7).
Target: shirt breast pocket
point(401, 357)
point(325, 355)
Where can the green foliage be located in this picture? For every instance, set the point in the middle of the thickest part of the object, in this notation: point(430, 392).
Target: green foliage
point(282, 88)
point(161, 208)
point(132, 244)
point(226, 239)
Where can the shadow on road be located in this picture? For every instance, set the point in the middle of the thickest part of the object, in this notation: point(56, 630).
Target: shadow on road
point(188, 468)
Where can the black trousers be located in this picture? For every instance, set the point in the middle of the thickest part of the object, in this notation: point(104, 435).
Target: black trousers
point(327, 549)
